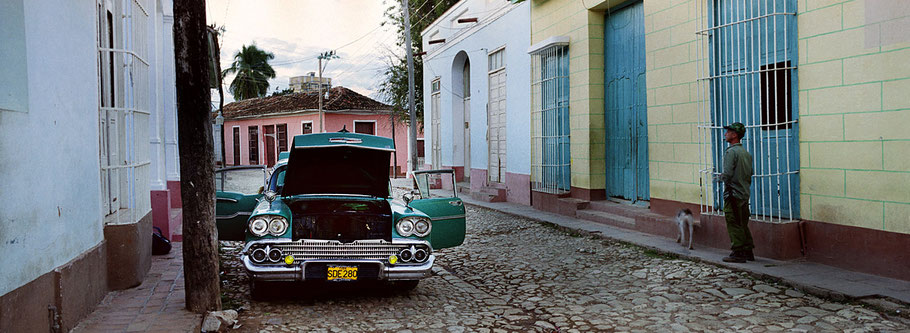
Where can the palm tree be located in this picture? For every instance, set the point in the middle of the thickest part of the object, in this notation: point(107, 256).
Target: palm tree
point(253, 72)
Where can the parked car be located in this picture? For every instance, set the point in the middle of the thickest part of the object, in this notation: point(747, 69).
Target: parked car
point(325, 212)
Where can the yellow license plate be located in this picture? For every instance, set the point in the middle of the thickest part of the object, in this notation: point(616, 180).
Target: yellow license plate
point(341, 273)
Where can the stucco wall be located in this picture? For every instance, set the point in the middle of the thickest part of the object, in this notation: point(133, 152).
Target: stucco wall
point(163, 121)
point(49, 165)
point(333, 123)
point(584, 27)
point(476, 45)
point(854, 80)
point(854, 109)
point(673, 153)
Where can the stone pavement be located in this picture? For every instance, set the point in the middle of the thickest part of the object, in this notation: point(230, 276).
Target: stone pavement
point(515, 274)
point(156, 305)
point(814, 278)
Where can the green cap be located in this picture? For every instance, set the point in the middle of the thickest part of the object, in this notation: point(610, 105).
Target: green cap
point(739, 128)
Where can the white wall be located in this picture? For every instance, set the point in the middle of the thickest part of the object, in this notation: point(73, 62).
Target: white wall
point(49, 164)
point(162, 103)
point(511, 30)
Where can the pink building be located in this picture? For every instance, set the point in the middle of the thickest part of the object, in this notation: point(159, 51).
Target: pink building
point(256, 130)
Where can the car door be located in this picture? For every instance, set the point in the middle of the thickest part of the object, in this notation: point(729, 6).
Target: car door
point(237, 191)
point(442, 204)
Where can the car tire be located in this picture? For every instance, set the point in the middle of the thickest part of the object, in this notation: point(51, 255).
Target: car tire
point(406, 286)
point(259, 290)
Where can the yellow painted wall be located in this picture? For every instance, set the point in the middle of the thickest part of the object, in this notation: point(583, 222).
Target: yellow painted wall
point(854, 86)
point(854, 108)
point(584, 27)
point(673, 106)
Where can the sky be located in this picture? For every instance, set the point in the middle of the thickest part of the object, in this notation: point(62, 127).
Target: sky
point(296, 31)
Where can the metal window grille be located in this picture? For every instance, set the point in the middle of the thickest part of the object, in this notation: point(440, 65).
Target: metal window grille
point(746, 62)
point(282, 131)
point(550, 151)
point(123, 78)
point(236, 152)
point(253, 139)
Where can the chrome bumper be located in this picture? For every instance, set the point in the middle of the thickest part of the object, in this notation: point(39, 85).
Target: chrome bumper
point(296, 272)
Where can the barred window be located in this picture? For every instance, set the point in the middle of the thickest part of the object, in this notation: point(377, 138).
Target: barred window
point(123, 78)
point(550, 150)
point(282, 131)
point(747, 60)
point(236, 152)
point(253, 132)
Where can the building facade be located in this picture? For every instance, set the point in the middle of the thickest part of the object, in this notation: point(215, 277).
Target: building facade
point(821, 88)
point(309, 84)
point(88, 86)
point(256, 130)
point(476, 80)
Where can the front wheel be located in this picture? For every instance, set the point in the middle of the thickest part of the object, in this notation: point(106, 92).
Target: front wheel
point(405, 286)
point(259, 290)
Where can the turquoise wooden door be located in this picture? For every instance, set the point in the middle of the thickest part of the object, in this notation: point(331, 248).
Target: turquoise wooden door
point(626, 116)
point(753, 57)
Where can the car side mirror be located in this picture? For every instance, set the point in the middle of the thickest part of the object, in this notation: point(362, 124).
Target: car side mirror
point(261, 189)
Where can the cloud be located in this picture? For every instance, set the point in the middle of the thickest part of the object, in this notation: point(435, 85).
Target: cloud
point(297, 31)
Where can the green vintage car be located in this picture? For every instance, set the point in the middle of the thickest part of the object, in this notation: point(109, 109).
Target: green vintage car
point(325, 212)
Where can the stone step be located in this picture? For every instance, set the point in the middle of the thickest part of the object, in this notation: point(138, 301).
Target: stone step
point(615, 208)
point(490, 194)
point(464, 187)
point(606, 218)
point(570, 206)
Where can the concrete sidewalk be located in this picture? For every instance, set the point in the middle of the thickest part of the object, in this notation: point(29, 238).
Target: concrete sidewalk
point(156, 305)
point(821, 280)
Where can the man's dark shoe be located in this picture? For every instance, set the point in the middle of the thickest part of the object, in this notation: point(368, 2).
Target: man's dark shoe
point(749, 255)
point(737, 257)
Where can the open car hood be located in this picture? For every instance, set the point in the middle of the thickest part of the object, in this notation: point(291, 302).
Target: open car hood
point(338, 163)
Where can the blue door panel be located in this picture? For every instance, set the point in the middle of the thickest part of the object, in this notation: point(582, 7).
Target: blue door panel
point(625, 114)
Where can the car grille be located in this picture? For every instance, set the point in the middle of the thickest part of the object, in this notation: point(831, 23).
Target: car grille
point(329, 249)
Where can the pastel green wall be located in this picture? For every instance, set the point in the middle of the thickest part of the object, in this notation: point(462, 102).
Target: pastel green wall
point(584, 28)
point(673, 106)
point(854, 86)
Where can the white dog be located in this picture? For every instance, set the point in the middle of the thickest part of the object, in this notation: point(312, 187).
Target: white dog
point(684, 218)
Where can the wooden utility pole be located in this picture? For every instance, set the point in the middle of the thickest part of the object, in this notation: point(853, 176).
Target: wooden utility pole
point(328, 55)
point(412, 114)
point(321, 118)
point(197, 173)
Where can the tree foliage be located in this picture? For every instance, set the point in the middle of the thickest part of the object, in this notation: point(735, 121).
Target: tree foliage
point(280, 92)
point(253, 72)
point(394, 86)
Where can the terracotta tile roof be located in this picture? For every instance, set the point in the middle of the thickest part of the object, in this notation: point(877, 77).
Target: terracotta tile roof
point(340, 98)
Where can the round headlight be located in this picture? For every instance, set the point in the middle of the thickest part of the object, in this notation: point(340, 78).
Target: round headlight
point(278, 226)
point(258, 255)
point(422, 227)
point(258, 227)
point(405, 227)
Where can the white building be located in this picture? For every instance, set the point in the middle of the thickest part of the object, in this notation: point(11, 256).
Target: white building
point(477, 110)
point(87, 138)
point(309, 83)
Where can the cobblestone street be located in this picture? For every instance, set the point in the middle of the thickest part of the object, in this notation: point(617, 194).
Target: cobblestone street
point(514, 274)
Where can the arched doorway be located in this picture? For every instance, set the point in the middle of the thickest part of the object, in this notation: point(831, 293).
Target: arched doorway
point(461, 114)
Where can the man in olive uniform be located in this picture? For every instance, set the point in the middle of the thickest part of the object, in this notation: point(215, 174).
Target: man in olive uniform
point(737, 178)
